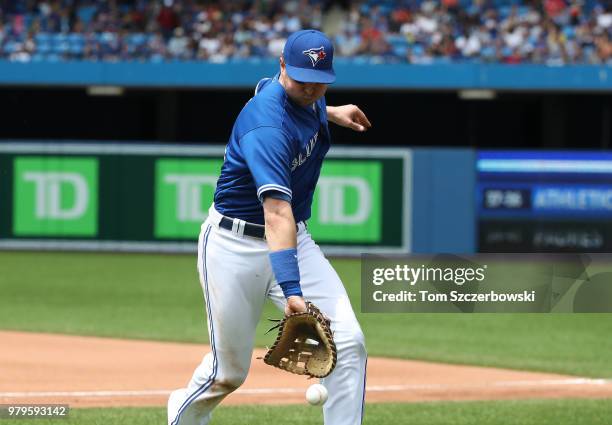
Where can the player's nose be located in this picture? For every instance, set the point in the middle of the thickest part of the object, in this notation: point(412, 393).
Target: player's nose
point(309, 89)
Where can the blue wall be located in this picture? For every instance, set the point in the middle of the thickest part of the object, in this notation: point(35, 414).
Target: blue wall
point(350, 75)
point(443, 211)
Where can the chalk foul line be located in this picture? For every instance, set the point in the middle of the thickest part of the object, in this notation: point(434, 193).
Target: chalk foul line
point(372, 388)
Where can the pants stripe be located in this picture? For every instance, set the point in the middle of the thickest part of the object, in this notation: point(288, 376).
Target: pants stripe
point(365, 373)
point(211, 379)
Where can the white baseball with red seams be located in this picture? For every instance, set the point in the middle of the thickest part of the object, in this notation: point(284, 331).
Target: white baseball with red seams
point(316, 395)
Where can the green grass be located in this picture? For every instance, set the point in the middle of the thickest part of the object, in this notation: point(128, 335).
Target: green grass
point(532, 412)
point(159, 297)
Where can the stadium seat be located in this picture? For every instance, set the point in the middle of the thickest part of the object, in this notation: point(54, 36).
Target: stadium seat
point(137, 39)
point(53, 57)
point(76, 49)
point(42, 37)
point(76, 38)
point(43, 48)
point(61, 48)
point(59, 38)
point(12, 46)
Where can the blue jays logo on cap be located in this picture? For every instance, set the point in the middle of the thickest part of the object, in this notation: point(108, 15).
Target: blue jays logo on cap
point(315, 55)
point(308, 56)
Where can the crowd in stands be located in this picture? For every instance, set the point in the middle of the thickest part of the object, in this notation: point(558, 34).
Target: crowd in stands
point(551, 32)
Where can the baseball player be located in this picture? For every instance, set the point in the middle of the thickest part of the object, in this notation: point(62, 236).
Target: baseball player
point(255, 243)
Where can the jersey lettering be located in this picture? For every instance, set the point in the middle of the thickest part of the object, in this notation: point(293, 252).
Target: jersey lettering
point(303, 156)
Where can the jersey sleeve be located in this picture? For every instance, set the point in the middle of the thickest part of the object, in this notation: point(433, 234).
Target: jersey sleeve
point(268, 153)
point(261, 84)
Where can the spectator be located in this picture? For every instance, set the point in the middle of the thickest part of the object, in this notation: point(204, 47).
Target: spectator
point(178, 45)
point(347, 43)
point(157, 47)
point(553, 32)
point(167, 19)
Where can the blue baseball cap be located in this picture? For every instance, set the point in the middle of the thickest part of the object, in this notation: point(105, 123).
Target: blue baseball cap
point(308, 57)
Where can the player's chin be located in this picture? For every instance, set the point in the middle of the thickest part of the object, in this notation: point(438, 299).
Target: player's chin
point(309, 100)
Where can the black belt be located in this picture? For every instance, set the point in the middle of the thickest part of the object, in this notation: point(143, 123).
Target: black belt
point(250, 229)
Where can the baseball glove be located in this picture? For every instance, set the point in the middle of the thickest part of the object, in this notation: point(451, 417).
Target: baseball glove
point(304, 345)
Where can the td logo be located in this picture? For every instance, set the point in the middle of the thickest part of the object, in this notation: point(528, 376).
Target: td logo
point(55, 196)
point(48, 186)
point(189, 188)
point(184, 190)
point(332, 202)
point(347, 202)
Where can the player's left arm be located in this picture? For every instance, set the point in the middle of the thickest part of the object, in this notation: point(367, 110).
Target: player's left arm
point(348, 116)
point(282, 241)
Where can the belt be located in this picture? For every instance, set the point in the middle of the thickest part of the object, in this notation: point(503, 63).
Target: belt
point(250, 229)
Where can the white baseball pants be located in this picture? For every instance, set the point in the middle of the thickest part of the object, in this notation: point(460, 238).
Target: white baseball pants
point(236, 278)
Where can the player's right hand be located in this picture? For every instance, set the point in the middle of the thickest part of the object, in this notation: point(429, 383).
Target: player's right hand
point(295, 304)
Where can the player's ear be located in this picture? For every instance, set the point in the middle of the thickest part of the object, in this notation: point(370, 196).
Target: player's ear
point(282, 62)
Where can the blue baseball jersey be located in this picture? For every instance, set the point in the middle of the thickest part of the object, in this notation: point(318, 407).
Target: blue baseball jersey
point(276, 149)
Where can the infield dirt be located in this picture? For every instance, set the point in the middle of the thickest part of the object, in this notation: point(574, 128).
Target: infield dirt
point(91, 371)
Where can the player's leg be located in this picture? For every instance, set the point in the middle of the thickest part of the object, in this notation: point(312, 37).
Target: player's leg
point(321, 285)
point(234, 274)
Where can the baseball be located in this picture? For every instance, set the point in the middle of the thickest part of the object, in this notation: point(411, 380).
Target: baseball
point(316, 395)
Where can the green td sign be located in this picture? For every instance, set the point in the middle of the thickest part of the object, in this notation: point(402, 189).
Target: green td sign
point(55, 196)
point(346, 207)
point(184, 190)
point(347, 202)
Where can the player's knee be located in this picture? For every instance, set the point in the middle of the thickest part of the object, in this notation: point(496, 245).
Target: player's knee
point(230, 384)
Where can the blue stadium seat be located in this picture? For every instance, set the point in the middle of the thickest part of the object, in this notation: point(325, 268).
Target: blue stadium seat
point(156, 58)
point(504, 11)
point(107, 37)
point(569, 31)
point(76, 38)
point(61, 47)
point(505, 3)
point(400, 51)
point(488, 52)
point(42, 37)
point(53, 57)
point(59, 38)
point(386, 9)
point(76, 49)
point(523, 10)
point(418, 50)
point(86, 13)
point(399, 44)
point(43, 47)
point(588, 50)
point(396, 39)
point(11, 46)
point(137, 39)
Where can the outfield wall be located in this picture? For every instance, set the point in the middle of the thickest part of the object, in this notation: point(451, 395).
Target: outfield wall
point(151, 197)
point(352, 74)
